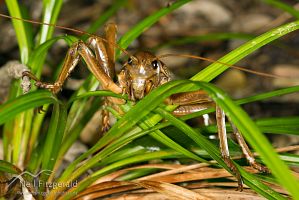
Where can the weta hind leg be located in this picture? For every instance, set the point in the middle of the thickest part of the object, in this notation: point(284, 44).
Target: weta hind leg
point(105, 54)
point(246, 151)
point(199, 100)
point(220, 118)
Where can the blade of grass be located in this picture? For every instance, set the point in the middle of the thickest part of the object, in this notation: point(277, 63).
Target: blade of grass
point(53, 138)
point(23, 39)
point(283, 6)
point(51, 10)
point(135, 159)
point(16, 127)
point(213, 151)
point(205, 37)
point(234, 56)
point(103, 18)
point(258, 141)
point(35, 99)
point(147, 22)
point(9, 168)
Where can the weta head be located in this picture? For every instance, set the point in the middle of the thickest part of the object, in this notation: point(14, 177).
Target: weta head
point(142, 73)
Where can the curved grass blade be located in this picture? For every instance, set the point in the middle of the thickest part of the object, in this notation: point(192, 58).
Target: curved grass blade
point(135, 159)
point(22, 103)
point(205, 37)
point(161, 137)
point(35, 60)
point(9, 168)
point(268, 95)
point(153, 100)
point(51, 11)
point(68, 175)
point(283, 6)
point(250, 99)
point(215, 154)
point(100, 93)
point(143, 108)
point(234, 56)
point(258, 97)
point(20, 29)
point(124, 124)
point(257, 140)
point(287, 122)
point(117, 4)
point(147, 22)
point(53, 138)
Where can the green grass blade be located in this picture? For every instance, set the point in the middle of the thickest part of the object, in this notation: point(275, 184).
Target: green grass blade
point(135, 159)
point(159, 136)
point(124, 124)
point(20, 30)
point(103, 18)
point(205, 37)
point(143, 108)
point(215, 154)
point(51, 11)
point(20, 125)
point(147, 22)
point(268, 95)
point(54, 137)
point(234, 56)
point(8, 167)
point(100, 93)
point(287, 122)
point(257, 140)
point(283, 6)
point(35, 99)
point(35, 61)
point(250, 99)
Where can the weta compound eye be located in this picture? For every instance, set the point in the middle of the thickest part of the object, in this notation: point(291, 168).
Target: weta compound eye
point(130, 61)
point(155, 64)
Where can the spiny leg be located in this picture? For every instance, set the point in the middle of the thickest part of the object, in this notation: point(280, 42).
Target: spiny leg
point(110, 34)
point(199, 100)
point(220, 118)
point(79, 49)
point(105, 53)
point(101, 65)
point(191, 102)
point(246, 151)
point(69, 64)
point(96, 69)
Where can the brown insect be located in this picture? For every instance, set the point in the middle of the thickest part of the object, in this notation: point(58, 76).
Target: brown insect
point(142, 73)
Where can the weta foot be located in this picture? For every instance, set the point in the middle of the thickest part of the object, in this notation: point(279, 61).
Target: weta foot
point(235, 171)
point(261, 168)
point(54, 88)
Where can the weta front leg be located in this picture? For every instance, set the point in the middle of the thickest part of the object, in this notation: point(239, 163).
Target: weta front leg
point(73, 55)
point(69, 64)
